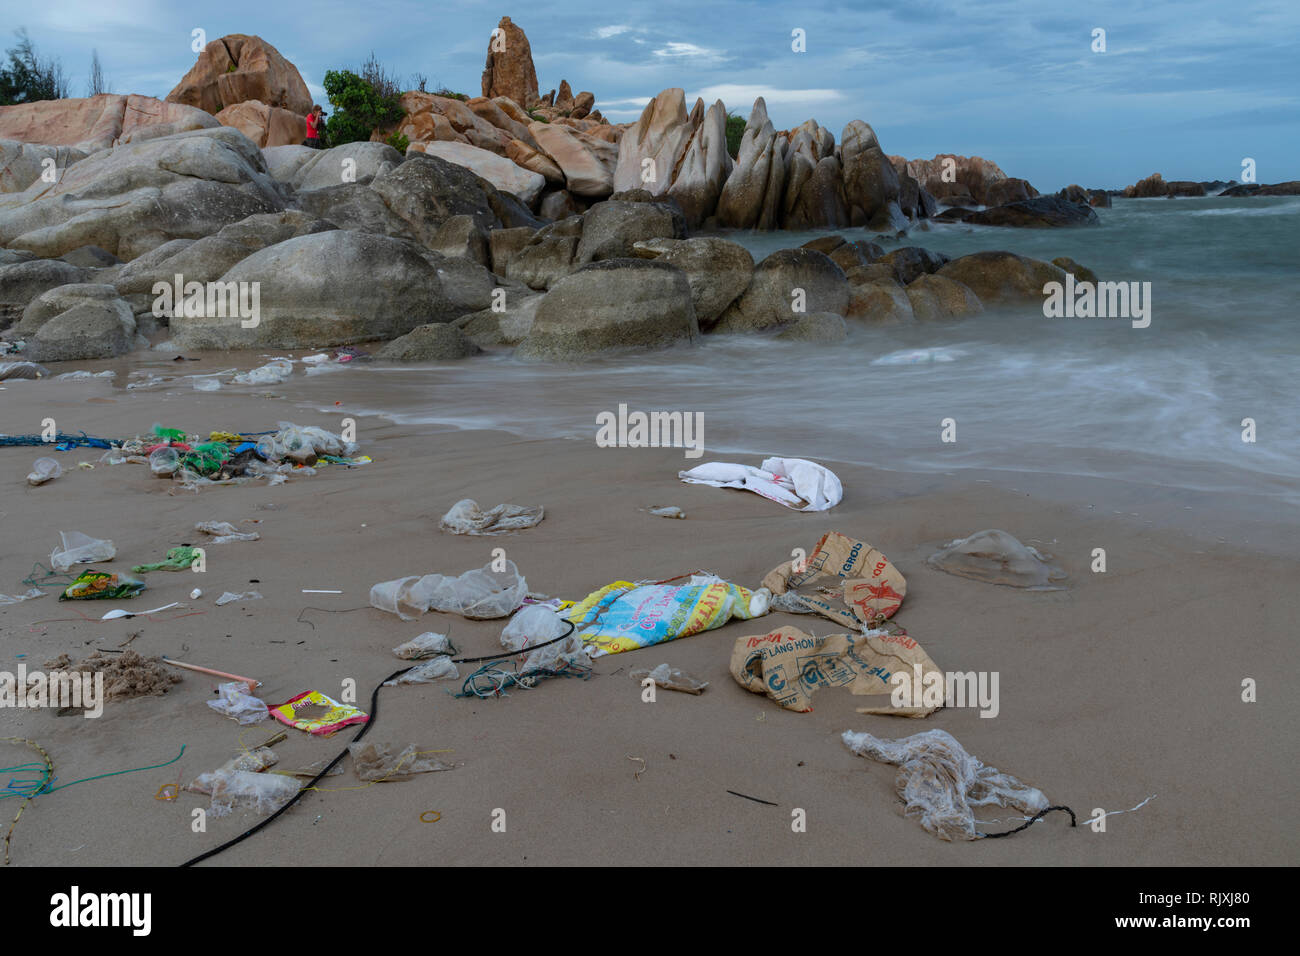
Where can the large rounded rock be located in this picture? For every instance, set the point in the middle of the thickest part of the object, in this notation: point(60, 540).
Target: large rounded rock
point(81, 321)
point(610, 228)
point(22, 164)
point(717, 270)
point(498, 170)
point(909, 262)
point(612, 304)
point(349, 163)
point(98, 122)
point(1003, 276)
point(330, 288)
point(134, 197)
point(23, 281)
point(785, 284)
point(238, 68)
point(587, 163)
point(426, 191)
point(436, 342)
point(283, 162)
point(351, 206)
point(266, 126)
point(880, 302)
point(935, 298)
point(1009, 190)
point(211, 257)
point(815, 327)
point(510, 326)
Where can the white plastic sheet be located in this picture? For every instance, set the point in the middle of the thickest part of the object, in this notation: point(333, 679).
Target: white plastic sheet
point(794, 482)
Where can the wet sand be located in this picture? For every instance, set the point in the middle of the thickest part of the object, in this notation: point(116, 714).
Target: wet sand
point(1124, 686)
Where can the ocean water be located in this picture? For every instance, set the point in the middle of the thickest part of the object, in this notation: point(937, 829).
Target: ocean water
point(1161, 406)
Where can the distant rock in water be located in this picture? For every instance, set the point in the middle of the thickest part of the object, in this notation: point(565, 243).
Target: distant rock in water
point(996, 557)
point(1156, 186)
point(1291, 188)
point(1042, 212)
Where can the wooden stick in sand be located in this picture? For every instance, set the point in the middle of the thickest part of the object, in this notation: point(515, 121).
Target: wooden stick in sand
point(252, 684)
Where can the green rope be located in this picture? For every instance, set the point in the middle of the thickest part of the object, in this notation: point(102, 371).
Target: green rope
point(12, 791)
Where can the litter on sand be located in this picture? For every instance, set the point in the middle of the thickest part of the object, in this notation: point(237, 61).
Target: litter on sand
point(43, 470)
point(119, 612)
point(78, 548)
point(996, 557)
point(427, 672)
point(28, 595)
point(178, 559)
point(666, 511)
point(263, 793)
point(236, 703)
point(845, 580)
point(100, 586)
point(229, 597)
point(939, 782)
point(671, 678)
point(465, 517)
point(625, 616)
point(537, 624)
point(481, 594)
point(794, 482)
point(317, 714)
point(789, 666)
point(377, 761)
point(224, 532)
point(424, 646)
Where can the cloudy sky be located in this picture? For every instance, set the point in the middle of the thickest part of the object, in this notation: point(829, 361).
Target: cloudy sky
point(1188, 88)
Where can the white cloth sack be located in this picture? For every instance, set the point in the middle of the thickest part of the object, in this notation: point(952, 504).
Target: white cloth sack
point(794, 482)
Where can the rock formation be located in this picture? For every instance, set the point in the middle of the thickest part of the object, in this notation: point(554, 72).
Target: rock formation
point(238, 69)
point(509, 69)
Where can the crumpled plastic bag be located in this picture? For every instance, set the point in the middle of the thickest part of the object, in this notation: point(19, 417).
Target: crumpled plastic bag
point(28, 595)
point(249, 761)
point(671, 678)
point(465, 517)
point(794, 482)
point(43, 470)
point(376, 761)
point(230, 597)
point(78, 548)
point(303, 443)
point(997, 557)
point(625, 616)
point(426, 672)
point(224, 532)
point(423, 646)
point(180, 558)
point(272, 373)
point(939, 781)
point(536, 624)
point(480, 594)
point(164, 462)
point(264, 793)
point(236, 703)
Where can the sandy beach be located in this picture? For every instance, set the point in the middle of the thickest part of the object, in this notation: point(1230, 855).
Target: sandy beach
point(1125, 686)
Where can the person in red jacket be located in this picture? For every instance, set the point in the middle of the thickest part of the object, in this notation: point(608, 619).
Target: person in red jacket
point(315, 123)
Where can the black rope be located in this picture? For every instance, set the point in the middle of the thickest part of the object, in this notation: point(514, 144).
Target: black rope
point(1032, 820)
point(374, 715)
